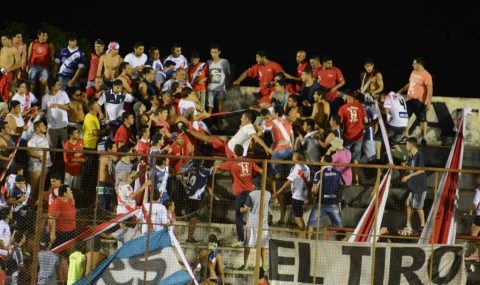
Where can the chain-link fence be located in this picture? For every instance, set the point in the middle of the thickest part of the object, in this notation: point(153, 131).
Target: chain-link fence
point(119, 216)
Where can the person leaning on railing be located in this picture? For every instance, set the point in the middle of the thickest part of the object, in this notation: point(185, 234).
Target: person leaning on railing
point(62, 217)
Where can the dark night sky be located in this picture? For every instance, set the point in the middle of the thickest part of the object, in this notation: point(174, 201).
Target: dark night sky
point(446, 36)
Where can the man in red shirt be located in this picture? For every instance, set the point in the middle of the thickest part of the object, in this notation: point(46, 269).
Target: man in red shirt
point(242, 176)
point(73, 160)
point(353, 117)
point(331, 79)
point(62, 217)
point(264, 70)
point(419, 94)
point(99, 48)
point(302, 64)
point(123, 134)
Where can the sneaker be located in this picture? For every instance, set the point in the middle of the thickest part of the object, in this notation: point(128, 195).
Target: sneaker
point(244, 267)
point(237, 243)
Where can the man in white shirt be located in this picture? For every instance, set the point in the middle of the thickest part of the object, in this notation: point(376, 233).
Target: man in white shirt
point(39, 139)
point(243, 137)
point(394, 108)
point(154, 219)
point(55, 105)
point(5, 232)
point(23, 96)
point(298, 179)
point(136, 59)
point(177, 57)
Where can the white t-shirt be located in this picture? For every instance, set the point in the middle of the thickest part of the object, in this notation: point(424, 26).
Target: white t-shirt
point(56, 118)
point(39, 141)
point(158, 217)
point(476, 201)
point(398, 116)
point(185, 105)
point(180, 62)
point(299, 176)
point(22, 99)
point(5, 233)
point(123, 191)
point(243, 137)
point(135, 61)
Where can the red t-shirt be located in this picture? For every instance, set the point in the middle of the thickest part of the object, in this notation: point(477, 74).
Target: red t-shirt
point(329, 78)
point(242, 175)
point(351, 115)
point(265, 75)
point(73, 168)
point(94, 60)
point(122, 135)
point(300, 68)
point(64, 213)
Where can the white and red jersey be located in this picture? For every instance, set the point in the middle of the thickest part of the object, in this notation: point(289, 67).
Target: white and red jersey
point(281, 133)
point(397, 115)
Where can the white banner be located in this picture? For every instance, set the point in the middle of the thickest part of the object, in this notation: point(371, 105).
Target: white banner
point(293, 261)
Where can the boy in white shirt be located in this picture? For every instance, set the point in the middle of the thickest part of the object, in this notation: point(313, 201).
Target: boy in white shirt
point(298, 179)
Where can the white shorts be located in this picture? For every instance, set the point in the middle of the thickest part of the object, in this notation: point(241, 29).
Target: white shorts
point(251, 237)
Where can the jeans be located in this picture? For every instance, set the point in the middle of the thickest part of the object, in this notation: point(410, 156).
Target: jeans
point(332, 211)
point(239, 202)
point(284, 154)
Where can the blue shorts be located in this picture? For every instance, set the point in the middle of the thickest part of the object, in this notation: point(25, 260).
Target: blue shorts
point(37, 72)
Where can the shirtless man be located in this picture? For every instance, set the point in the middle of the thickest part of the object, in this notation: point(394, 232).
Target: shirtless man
point(211, 262)
point(110, 63)
point(76, 108)
point(372, 79)
point(9, 62)
point(125, 76)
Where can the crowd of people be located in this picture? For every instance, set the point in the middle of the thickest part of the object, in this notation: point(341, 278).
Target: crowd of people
point(143, 104)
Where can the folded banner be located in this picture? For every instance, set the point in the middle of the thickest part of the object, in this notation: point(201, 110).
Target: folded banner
point(92, 232)
point(296, 261)
point(440, 226)
point(127, 264)
point(368, 225)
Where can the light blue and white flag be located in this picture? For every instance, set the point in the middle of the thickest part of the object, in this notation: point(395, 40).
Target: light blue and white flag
point(127, 264)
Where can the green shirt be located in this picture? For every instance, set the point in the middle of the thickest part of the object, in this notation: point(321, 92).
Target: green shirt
point(75, 267)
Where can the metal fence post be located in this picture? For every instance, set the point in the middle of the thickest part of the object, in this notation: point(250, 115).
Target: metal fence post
point(38, 219)
point(260, 224)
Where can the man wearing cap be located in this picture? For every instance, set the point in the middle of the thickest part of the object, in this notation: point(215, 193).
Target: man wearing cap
point(99, 48)
point(341, 155)
point(109, 63)
point(353, 118)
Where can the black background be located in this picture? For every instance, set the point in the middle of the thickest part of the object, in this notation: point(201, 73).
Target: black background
point(391, 32)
